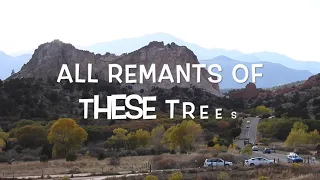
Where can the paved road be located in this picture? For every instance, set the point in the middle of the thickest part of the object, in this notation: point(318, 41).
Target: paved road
point(250, 132)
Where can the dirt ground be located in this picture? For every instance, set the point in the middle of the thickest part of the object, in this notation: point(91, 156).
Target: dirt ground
point(85, 164)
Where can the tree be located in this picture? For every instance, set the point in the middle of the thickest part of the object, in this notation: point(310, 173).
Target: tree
point(12, 72)
point(299, 125)
point(313, 137)
point(235, 132)
point(31, 136)
point(183, 135)
point(143, 137)
point(297, 135)
point(262, 110)
point(2, 144)
point(157, 134)
point(247, 150)
point(119, 138)
point(66, 136)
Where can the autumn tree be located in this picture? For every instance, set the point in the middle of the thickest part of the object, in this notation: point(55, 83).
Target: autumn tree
point(31, 136)
point(262, 110)
point(118, 140)
point(183, 135)
point(298, 135)
point(66, 136)
point(157, 134)
point(143, 138)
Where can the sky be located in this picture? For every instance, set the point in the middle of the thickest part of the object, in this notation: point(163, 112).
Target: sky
point(289, 27)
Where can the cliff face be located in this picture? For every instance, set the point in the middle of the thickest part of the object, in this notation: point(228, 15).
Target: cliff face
point(49, 57)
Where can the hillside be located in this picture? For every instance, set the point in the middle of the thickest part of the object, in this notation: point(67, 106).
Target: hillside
point(273, 74)
point(302, 100)
point(49, 57)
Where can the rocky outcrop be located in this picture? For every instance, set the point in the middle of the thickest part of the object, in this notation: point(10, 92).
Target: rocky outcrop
point(49, 57)
point(250, 91)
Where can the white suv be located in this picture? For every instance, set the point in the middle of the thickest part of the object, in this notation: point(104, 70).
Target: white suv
point(216, 162)
point(257, 161)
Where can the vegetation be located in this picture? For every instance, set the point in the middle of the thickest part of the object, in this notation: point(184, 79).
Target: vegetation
point(66, 136)
point(300, 136)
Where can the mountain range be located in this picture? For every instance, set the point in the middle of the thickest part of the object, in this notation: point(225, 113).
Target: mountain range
point(286, 69)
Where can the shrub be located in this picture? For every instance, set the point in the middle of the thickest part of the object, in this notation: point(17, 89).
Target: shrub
point(263, 178)
point(296, 165)
point(74, 170)
point(65, 178)
point(71, 156)
point(162, 162)
point(176, 176)
point(150, 177)
point(114, 161)
point(28, 158)
point(226, 157)
point(172, 151)
point(44, 158)
point(183, 152)
point(143, 151)
point(223, 176)
point(101, 156)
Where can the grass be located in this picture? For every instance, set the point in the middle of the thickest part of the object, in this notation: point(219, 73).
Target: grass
point(85, 164)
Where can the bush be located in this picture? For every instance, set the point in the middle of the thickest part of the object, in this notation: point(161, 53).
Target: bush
point(150, 177)
point(162, 162)
point(223, 176)
point(44, 158)
point(114, 161)
point(143, 151)
point(65, 178)
point(173, 151)
point(3, 158)
point(227, 157)
point(101, 156)
point(176, 176)
point(28, 158)
point(74, 170)
point(263, 178)
point(71, 157)
point(296, 165)
point(183, 152)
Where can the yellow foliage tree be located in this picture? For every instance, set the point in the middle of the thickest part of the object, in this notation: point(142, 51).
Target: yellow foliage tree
point(176, 176)
point(143, 138)
point(118, 140)
point(66, 136)
point(297, 135)
point(183, 135)
point(262, 110)
point(2, 144)
point(215, 140)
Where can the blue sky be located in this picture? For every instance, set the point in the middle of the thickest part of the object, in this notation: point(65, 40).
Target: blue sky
point(289, 27)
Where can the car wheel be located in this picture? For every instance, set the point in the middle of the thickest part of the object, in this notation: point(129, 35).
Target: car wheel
point(251, 164)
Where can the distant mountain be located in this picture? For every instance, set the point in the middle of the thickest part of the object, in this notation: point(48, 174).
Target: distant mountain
point(273, 74)
point(131, 44)
point(9, 63)
point(273, 57)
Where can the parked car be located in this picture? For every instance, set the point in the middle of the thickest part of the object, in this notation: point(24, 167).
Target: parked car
point(294, 158)
point(267, 151)
point(255, 148)
point(258, 161)
point(247, 126)
point(216, 162)
point(248, 122)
